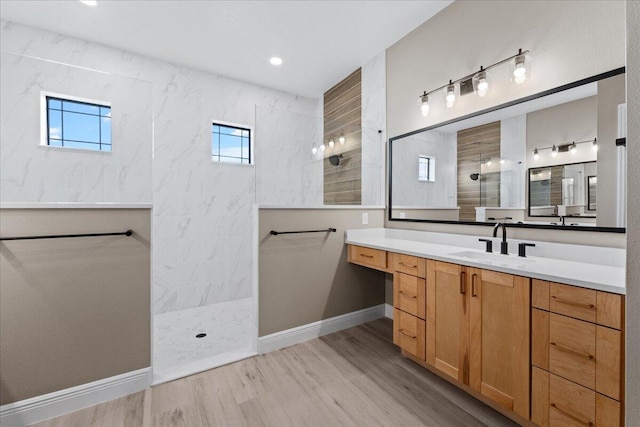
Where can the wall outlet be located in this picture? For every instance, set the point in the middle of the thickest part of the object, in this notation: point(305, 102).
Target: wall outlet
point(365, 218)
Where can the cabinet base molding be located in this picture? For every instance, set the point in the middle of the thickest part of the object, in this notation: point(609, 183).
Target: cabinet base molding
point(317, 329)
point(473, 393)
point(40, 408)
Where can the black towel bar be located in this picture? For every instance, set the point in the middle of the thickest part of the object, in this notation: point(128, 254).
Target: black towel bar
point(62, 236)
point(329, 230)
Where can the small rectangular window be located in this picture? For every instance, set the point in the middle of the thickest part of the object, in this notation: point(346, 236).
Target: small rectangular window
point(230, 144)
point(76, 124)
point(426, 168)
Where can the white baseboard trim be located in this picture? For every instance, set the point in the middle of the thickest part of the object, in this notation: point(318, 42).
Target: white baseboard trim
point(388, 311)
point(317, 329)
point(40, 408)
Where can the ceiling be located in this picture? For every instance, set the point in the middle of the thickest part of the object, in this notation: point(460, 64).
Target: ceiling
point(321, 42)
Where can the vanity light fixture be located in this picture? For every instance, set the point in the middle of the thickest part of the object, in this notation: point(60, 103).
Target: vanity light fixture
point(480, 81)
point(536, 155)
point(314, 150)
point(424, 105)
point(331, 143)
point(450, 94)
point(521, 67)
point(323, 147)
point(554, 151)
point(342, 140)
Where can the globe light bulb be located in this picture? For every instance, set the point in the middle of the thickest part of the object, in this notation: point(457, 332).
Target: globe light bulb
point(451, 95)
point(314, 150)
point(342, 140)
point(323, 147)
point(424, 105)
point(331, 143)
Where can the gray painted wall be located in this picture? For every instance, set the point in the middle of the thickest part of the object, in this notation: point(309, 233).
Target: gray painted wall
point(633, 215)
point(306, 277)
point(72, 311)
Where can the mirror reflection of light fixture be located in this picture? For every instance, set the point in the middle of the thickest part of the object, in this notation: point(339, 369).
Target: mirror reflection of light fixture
point(335, 159)
point(331, 143)
point(573, 149)
point(502, 161)
point(570, 147)
point(479, 81)
point(314, 150)
point(323, 147)
point(424, 105)
point(342, 140)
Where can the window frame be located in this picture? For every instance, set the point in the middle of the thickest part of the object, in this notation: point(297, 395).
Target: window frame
point(239, 126)
point(431, 168)
point(44, 120)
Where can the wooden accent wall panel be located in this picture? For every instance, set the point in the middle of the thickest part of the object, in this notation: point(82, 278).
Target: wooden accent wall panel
point(342, 117)
point(472, 143)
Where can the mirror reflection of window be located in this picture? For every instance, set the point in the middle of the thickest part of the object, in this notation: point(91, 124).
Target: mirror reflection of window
point(426, 168)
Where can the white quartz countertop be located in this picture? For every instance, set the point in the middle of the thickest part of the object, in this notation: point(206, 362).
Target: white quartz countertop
point(607, 277)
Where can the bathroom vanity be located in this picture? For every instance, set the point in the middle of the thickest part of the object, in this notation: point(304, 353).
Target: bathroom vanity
point(538, 338)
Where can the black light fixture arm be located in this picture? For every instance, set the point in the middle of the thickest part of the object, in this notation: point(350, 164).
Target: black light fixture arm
point(468, 76)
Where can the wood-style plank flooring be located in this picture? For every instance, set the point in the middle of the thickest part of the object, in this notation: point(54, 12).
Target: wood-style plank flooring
point(354, 377)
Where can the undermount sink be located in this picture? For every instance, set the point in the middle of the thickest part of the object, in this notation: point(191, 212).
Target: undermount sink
point(495, 259)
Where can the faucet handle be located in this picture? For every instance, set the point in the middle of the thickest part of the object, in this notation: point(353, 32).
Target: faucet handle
point(489, 242)
point(522, 248)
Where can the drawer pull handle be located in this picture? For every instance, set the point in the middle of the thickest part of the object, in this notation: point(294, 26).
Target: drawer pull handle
point(366, 256)
point(407, 265)
point(463, 283)
point(575, 353)
point(574, 418)
point(577, 304)
point(473, 285)
point(404, 333)
point(407, 295)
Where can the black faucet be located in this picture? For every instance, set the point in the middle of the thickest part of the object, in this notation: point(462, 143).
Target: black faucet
point(562, 219)
point(503, 245)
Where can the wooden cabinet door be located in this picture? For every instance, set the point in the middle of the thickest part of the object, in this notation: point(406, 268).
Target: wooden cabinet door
point(499, 338)
point(448, 319)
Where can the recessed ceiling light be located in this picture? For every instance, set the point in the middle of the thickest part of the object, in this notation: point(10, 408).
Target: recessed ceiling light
point(276, 61)
point(89, 2)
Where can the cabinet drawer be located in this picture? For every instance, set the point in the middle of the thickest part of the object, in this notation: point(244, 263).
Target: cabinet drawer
point(373, 258)
point(573, 301)
point(409, 294)
point(570, 404)
point(409, 264)
point(572, 349)
point(409, 333)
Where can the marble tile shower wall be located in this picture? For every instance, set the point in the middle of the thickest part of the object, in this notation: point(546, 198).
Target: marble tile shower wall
point(374, 119)
point(202, 224)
